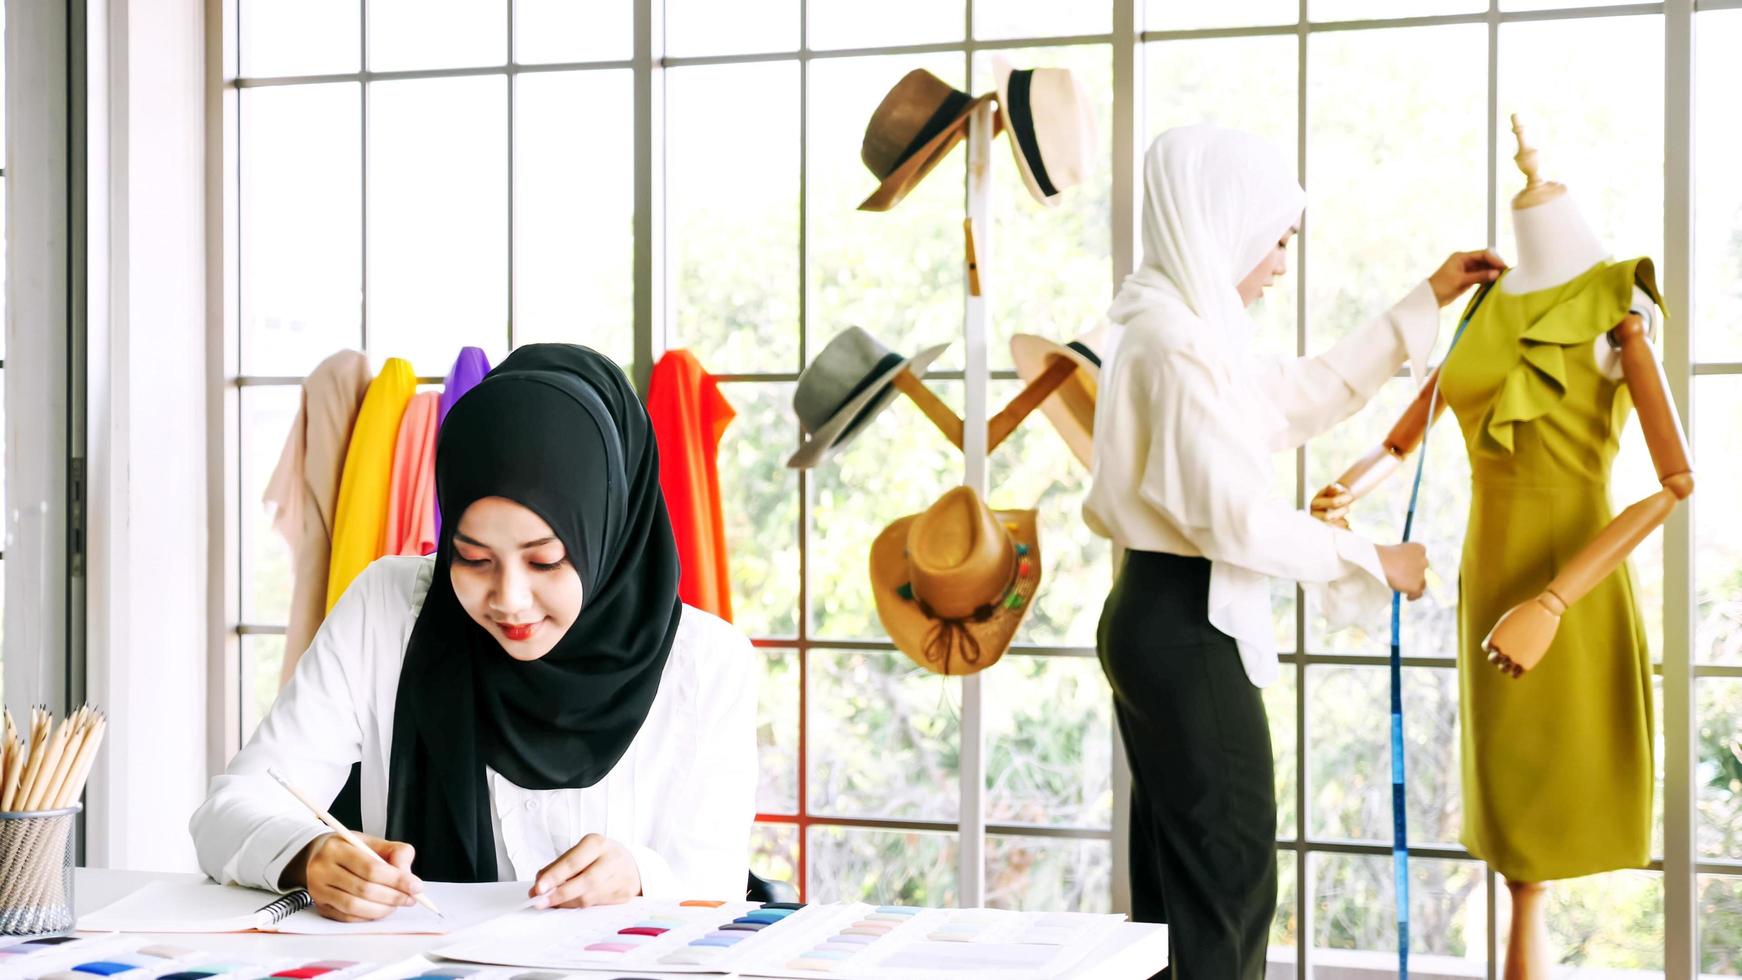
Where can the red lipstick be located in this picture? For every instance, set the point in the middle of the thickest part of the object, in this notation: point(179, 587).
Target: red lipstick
point(519, 633)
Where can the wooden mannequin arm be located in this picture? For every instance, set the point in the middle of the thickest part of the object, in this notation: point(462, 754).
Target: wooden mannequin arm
point(1522, 636)
point(1650, 390)
point(999, 426)
point(947, 421)
point(1332, 503)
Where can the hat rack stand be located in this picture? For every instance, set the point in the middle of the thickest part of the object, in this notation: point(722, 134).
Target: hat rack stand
point(983, 126)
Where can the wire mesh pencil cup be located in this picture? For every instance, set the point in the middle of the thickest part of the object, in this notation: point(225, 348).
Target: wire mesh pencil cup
point(36, 871)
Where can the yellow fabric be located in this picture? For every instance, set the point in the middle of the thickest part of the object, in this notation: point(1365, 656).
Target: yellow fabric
point(361, 516)
point(1557, 765)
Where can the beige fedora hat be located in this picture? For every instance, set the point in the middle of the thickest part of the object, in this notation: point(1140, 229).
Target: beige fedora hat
point(952, 584)
point(1070, 409)
point(1051, 125)
point(915, 126)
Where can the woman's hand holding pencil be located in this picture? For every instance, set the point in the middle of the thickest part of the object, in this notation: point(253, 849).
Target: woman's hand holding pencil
point(352, 877)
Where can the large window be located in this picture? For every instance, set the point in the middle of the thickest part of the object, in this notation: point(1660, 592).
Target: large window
point(414, 177)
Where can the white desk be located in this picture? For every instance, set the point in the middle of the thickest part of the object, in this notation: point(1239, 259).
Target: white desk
point(1134, 951)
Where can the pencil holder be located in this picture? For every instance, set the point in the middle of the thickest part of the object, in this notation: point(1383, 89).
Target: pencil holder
point(36, 871)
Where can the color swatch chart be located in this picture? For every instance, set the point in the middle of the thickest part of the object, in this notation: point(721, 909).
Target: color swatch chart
point(872, 943)
point(848, 941)
point(676, 937)
point(424, 968)
point(123, 958)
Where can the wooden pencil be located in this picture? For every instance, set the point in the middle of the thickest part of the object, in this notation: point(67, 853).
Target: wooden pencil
point(51, 753)
point(7, 755)
point(69, 755)
point(10, 760)
point(38, 738)
point(81, 770)
point(48, 769)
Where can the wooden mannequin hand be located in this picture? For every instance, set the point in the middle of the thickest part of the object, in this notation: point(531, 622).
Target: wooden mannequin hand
point(1405, 568)
point(596, 871)
point(1521, 637)
point(1332, 504)
point(1463, 270)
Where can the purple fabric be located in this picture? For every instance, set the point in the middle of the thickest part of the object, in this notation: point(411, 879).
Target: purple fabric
point(469, 369)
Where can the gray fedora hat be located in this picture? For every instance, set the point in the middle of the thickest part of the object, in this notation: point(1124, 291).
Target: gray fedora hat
point(845, 386)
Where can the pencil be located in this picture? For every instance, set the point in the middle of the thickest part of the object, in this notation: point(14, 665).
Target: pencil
point(343, 831)
point(54, 749)
point(81, 767)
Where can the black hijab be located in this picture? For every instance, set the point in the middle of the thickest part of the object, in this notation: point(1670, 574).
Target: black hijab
point(557, 429)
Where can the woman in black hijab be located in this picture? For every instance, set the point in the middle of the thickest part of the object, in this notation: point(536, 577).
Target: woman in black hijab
point(553, 692)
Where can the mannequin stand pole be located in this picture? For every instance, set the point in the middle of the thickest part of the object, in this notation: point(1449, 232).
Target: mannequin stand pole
point(1527, 951)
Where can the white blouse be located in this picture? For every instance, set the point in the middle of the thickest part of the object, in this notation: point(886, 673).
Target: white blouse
point(681, 799)
point(1182, 461)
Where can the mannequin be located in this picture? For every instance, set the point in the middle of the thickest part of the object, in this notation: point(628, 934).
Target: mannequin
point(1555, 245)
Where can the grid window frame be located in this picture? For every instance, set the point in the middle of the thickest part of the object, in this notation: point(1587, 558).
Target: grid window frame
point(1129, 45)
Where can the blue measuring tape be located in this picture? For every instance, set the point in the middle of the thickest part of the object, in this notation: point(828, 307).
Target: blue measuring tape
point(1399, 822)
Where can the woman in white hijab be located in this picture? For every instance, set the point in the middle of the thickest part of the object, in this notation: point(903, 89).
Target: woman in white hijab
point(1185, 426)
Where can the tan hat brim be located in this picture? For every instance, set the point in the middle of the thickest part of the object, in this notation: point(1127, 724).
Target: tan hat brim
point(1070, 409)
point(906, 177)
point(909, 628)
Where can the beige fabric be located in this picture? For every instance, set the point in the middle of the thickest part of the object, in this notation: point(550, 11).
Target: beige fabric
point(304, 489)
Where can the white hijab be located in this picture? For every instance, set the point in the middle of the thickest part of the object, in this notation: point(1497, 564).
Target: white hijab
point(1215, 202)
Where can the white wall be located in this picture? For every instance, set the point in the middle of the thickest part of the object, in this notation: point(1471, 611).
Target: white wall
point(147, 598)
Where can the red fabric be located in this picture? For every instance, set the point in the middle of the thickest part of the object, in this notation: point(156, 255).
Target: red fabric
point(689, 416)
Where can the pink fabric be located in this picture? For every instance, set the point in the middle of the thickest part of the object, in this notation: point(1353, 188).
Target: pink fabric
point(410, 526)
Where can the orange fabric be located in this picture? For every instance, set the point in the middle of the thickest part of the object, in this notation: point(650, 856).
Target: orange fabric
point(689, 416)
point(410, 526)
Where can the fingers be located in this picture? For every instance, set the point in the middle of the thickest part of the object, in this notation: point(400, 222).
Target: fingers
point(391, 878)
point(607, 881)
point(369, 893)
point(1332, 504)
point(1505, 664)
point(339, 894)
point(584, 890)
point(400, 855)
point(345, 907)
point(575, 860)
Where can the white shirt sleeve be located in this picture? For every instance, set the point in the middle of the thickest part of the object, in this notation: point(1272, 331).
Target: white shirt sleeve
point(1198, 476)
point(249, 828)
point(701, 835)
point(1315, 393)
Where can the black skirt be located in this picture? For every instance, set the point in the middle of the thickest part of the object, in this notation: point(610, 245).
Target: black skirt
point(1203, 797)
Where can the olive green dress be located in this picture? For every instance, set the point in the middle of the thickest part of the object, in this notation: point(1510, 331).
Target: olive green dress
point(1557, 765)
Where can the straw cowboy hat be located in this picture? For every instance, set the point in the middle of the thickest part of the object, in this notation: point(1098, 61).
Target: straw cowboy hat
point(953, 583)
point(915, 126)
point(1071, 408)
point(844, 387)
point(1052, 127)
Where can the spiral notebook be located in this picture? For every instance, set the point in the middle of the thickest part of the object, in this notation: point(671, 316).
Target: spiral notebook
point(205, 906)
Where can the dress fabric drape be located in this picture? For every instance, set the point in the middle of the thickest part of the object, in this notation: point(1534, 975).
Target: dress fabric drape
point(302, 495)
point(689, 416)
point(469, 368)
point(1542, 424)
point(362, 509)
point(410, 528)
